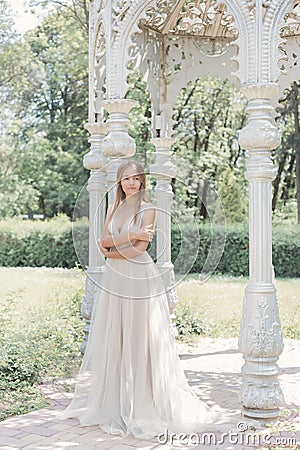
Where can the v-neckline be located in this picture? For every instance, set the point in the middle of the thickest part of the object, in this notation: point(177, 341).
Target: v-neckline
point(132, 214)
point(119, 230)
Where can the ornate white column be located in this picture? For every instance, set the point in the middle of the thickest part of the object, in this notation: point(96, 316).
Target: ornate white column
point(95, 162)
point(260, 338)
point(118, 143)
point(163, 170)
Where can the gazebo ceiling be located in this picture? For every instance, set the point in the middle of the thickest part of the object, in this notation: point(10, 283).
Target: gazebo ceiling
point(201, 19)
point(205, 19)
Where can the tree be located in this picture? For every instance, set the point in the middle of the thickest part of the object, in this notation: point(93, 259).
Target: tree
point(16, 63)
point(231, 199)
point(208, 115)
point(287, 182)
point(15, 57)
point(49, 139)
point(77, 10)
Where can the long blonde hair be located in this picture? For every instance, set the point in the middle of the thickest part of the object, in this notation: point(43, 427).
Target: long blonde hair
point(120, 194)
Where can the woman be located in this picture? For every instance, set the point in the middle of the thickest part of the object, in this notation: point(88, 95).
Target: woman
point(130, 380)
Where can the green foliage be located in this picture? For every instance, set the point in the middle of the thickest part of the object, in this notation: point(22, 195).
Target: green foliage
point(207, 116)
point(41, 329)
point(15, 59)
point(44, 139)
point(140, 119)
point(41, 342)
point(50, 244)
point(231, 200)
point(235, 258)
point(188, 320)
point(37, 244)
point(286, 187)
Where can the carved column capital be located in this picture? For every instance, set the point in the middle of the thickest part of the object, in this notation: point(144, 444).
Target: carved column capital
point(94, 159)
point(163, 168)
point(162, 143)
point(259, 90)
point(95, 128)
point(118, 143)
point(119, 105)
point(260, 135)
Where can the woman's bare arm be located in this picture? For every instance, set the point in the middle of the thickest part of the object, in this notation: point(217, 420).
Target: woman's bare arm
point(140, 246)
point(108, 240)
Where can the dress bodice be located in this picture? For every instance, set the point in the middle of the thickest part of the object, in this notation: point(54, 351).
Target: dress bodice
point(116, 228)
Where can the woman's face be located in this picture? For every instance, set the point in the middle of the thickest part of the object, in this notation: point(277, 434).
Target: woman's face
point(130, 181)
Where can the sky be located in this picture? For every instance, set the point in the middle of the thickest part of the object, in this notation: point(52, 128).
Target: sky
point(24, 20)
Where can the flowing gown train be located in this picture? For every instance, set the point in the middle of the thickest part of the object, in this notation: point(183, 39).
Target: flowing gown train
point(131, 380)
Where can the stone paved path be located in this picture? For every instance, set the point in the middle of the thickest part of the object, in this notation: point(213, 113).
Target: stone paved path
point(213, 370)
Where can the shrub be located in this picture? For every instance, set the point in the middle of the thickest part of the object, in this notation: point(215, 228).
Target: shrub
point(188, 321)
point(235, 258)
point(51, 244)
point(43, 341)
point(38, 244)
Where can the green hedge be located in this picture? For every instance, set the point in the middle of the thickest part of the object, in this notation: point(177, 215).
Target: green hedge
point(38, 244)
point(235, 257)
point(51, 244)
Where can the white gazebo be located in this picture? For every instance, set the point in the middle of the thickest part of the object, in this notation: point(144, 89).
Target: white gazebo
point(253, 43)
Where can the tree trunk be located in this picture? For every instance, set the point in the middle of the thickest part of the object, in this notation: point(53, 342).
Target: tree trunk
point(203, 209)
point(278, 180)
point(298, 182)
point(297, 140)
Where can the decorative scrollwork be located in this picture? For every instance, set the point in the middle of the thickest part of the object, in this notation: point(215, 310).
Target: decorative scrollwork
point(292, 25)
point(99, 73)
point(262, 338)
point(195, 18)
point(119, 10)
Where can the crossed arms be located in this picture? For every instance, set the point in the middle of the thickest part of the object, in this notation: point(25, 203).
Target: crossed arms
point(141, 237)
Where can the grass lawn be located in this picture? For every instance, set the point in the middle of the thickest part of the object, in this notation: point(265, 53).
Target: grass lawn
point(35, 285)
point(41, 325)
point(218, 303)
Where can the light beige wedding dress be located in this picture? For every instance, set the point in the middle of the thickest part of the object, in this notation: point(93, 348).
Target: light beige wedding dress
point(131, 380)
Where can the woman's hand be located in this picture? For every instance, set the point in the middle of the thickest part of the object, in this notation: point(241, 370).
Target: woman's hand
point(144, 233)
point(103, 249)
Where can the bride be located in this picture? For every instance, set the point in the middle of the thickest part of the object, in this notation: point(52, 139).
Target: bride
point(131, 380)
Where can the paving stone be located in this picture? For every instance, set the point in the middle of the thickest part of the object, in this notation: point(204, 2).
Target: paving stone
point(213, 369)
point(5, 447)
point(13, 442)
point(32, 438)
point(123, 447)
point(5, 431)
point(39, 430)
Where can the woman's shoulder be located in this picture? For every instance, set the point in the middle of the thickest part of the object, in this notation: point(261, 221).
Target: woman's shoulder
point(147, 206)
point(109, 211)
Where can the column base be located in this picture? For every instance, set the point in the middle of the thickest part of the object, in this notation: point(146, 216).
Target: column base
point(260, 414)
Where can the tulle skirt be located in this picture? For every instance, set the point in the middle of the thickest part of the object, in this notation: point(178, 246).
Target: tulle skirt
point(131, 381)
